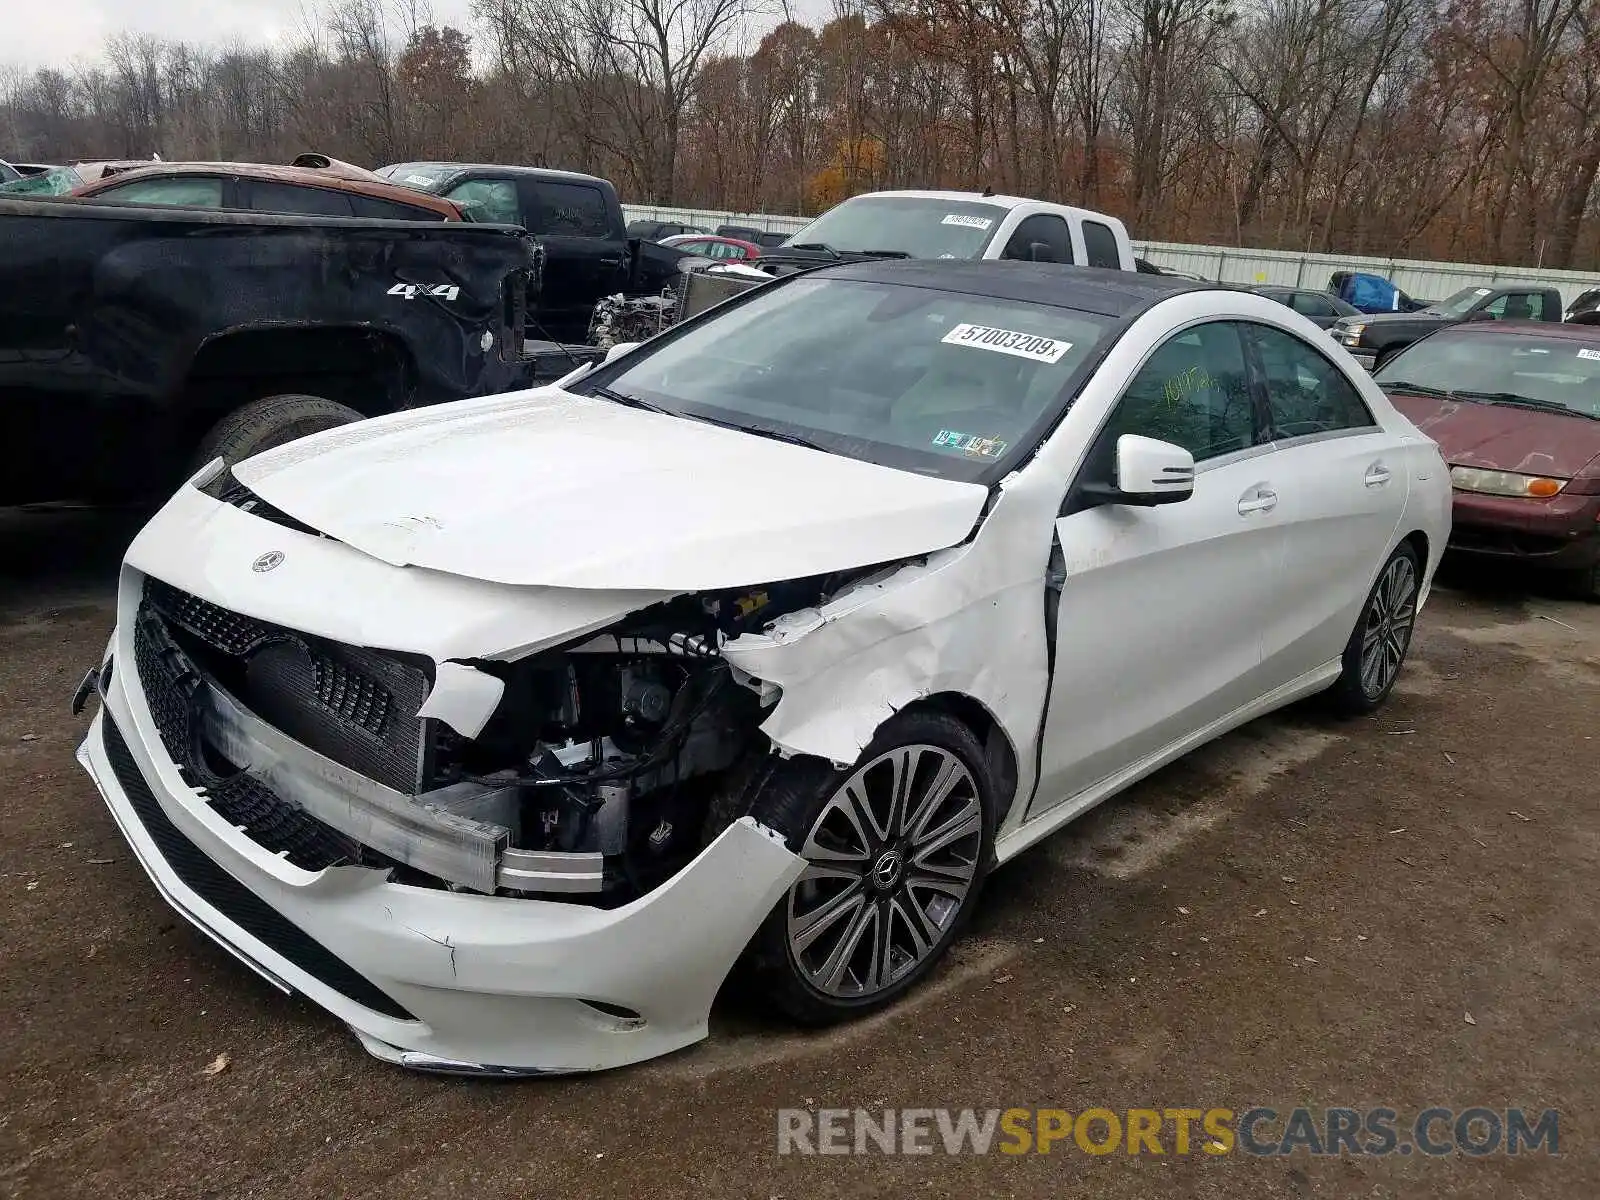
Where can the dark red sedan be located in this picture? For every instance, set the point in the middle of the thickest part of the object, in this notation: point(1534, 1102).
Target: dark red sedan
point(1515, 408)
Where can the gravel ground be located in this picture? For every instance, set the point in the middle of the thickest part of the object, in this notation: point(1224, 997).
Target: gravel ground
point(1305, 913)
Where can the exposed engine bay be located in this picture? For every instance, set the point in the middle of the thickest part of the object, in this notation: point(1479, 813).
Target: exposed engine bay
point(618, 744)
point(592, 779)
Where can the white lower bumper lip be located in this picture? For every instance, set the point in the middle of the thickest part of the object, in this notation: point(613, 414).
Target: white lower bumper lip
point(462, 983)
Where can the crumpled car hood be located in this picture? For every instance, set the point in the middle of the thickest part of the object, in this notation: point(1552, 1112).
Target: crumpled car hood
point(547, 488)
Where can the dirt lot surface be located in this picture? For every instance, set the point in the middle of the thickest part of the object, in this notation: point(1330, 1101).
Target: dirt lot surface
point(1398, 911)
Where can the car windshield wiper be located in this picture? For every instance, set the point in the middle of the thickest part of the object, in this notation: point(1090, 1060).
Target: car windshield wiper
point(1514, 400)
point(823, 246)
point(882, 253)
point(1419, 389)
point(777, 435)
point(632, 401)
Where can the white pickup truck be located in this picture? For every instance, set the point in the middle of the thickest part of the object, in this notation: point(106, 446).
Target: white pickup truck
point(969, 225)
point(965, 225)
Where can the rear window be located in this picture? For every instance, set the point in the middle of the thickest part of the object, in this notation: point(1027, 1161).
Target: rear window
point(1100, 245)
point(568, 210)
point(304, 201)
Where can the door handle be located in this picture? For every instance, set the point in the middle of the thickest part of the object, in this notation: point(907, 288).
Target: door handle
point(1377, 475)
point(1258, 499)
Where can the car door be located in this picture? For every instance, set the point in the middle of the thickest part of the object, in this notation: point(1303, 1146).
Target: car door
point(1342, 491)
point(583, 260)
point(1158, 623)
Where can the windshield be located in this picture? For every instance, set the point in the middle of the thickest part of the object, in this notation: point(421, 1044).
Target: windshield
point(923, 380)
point(1457, 305)
point(425, 177)
point(909, 225)
point(57, 181)
point(1541, 370)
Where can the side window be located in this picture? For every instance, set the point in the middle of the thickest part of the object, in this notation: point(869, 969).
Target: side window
point(1306, 393)
point(181, 191)
point(1193, 391)
point(391, 210)
point(1526, 306)
point(571, 210)
point(288, 198)
point(491, 200)
point(1055, 241)
point(1100, 244)
point(1311, 305)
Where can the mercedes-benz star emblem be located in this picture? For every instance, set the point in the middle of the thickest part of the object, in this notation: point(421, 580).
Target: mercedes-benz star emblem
point(267, 562)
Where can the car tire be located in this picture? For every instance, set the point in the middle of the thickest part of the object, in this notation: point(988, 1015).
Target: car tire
point(268, 422)
point(1378, 645)
point(889, 884)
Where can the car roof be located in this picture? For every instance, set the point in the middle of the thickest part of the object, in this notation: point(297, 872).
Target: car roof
point(336, 175)
point(503, 168)
point(1099, 290)
point(982, 198)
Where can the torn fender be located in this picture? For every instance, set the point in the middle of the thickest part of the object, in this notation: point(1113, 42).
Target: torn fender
point(928, 628)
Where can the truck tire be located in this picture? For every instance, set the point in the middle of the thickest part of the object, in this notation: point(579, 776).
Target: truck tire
point(268, 422)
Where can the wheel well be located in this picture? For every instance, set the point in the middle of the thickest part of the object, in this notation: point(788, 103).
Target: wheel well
point(372, 372)
point(1419, 542)
point(997, 747)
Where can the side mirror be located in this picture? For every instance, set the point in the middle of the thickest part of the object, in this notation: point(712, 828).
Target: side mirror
point(1148, 472)
point(1482, 314)
point(618, 350)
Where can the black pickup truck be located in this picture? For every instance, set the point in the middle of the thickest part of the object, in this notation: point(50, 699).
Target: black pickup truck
point(577, 220)
point(138, 343)
point(1373, 339)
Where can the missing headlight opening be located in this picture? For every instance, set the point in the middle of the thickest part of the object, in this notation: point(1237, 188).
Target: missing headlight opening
point(593, 780)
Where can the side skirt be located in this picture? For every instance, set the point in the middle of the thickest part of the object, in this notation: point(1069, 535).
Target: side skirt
point(1052, 819)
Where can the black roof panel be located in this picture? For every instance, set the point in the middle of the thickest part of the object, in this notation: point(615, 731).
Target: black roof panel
point(1086, 289)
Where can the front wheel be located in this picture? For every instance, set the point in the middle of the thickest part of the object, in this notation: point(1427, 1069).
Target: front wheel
point(896, 850)
point(1382, 636)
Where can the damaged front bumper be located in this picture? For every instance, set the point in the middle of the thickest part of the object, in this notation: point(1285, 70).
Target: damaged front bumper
point(433, 979)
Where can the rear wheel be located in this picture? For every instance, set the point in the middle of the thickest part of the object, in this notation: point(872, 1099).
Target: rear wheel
point(1382, 636)
point(268, 422)
point(896, 850)
point(1586, 582)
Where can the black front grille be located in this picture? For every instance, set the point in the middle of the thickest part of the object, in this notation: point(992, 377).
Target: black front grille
point(354, 705)
point(231, 898)
point(170, 682)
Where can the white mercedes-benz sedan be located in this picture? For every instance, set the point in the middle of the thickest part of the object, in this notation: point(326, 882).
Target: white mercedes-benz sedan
point(506, 729)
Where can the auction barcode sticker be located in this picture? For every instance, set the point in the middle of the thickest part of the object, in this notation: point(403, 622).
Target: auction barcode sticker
point(1008, 341)
point(1584, 353)
point(969, 222)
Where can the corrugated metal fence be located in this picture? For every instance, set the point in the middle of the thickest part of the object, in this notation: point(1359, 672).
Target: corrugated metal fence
point(1424, 280)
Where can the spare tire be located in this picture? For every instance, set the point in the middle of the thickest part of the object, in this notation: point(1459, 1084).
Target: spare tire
point(268, 422)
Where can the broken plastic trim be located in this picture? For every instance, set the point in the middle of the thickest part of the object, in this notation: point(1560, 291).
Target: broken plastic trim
point(432, 832)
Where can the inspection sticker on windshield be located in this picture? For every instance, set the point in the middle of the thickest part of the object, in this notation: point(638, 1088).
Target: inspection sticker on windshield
point(968, 222)
point(970, 444)
point(1593, 355)
point(1008, 341)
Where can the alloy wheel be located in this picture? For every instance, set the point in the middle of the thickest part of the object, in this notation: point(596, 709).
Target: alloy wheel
point(891, 859)
point(1387, 632)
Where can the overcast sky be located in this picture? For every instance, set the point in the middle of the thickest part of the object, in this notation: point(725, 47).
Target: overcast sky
point(55, 33)
point(58, 33)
